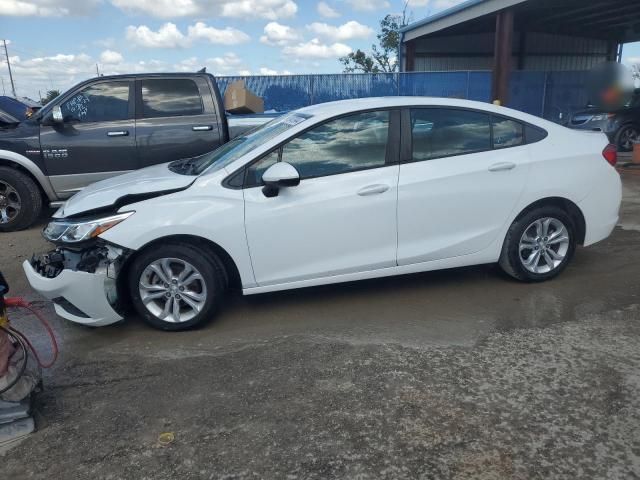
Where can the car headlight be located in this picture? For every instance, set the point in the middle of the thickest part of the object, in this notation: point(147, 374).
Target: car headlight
point(80, 230)
point(599, 118)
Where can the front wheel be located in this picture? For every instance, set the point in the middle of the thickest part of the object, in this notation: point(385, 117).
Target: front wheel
point(176, 286)
point(539, 245)
point(20, 200)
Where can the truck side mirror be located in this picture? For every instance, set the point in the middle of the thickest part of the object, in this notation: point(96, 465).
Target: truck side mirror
point(56, 114)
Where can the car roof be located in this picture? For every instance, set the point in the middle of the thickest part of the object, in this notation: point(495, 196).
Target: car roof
point(340, 107)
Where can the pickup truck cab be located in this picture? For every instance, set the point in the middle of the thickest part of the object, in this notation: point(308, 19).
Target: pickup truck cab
point(104, 127)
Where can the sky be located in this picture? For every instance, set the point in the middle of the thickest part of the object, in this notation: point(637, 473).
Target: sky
point(54, 44)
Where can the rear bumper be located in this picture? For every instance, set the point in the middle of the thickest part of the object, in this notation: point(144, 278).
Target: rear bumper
point(80, 297)
point(601, 208)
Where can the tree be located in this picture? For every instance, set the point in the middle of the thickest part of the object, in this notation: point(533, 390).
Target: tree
point(384, 56)
point(51, 94)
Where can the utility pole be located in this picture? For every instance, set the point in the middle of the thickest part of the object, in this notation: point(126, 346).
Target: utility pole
point(6, 53)
point(3, 90)
point(97, 70)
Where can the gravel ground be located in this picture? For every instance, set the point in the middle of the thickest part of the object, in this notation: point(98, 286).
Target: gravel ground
point(459, 374)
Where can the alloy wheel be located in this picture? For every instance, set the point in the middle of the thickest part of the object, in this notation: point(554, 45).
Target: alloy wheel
point(10, 202)
point(544, 245)
point(172, 290)
point(628, 137)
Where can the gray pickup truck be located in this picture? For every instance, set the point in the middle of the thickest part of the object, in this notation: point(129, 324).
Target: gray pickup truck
point(103, 127)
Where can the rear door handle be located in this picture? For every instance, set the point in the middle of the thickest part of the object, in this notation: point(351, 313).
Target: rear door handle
point(202, 128)
point(118, 133)
point(373, 190)
point(502, 166)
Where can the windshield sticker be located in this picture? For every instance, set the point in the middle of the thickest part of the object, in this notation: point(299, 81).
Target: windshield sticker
point(293, 120)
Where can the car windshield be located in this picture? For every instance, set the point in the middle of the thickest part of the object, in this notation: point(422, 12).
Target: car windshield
point(239, 146)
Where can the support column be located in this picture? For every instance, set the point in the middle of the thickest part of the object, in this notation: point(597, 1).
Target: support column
point(502, 56)
point(410, 56)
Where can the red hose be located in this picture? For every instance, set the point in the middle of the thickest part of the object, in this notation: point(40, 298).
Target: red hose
point(17, 302)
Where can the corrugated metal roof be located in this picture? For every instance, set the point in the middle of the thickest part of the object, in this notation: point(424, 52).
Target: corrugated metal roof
point(443, 14)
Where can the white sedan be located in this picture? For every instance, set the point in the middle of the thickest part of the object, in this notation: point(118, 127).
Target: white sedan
point(331, 193)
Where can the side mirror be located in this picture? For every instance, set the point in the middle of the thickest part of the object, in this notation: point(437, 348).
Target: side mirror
point(56, 114)
point(277, 176)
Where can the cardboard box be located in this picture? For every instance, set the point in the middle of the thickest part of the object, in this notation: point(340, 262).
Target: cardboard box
point(237, 99)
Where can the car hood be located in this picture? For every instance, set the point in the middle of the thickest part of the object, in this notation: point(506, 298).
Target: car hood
point(116, 192)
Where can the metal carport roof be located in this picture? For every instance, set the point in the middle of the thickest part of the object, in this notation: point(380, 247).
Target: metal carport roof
point(615, 20)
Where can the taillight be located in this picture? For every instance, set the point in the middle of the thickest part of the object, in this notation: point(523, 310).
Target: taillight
point(610, 154)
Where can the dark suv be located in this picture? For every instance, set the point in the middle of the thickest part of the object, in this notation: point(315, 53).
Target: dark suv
point(621, 126)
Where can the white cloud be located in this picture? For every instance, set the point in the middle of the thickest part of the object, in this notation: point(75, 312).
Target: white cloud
point(169, 36)
point(226, 36)
point(160, 8)
point(276, 34)
point(225, 64)
point(368, 5)
point(269, 71)
point(326, 10)
point(316, 49)
point(633, 60)
point(190, 64)
point(46, 8)
point(110, 57)
point(269, 9)
point(244, 73)
point(346, 31)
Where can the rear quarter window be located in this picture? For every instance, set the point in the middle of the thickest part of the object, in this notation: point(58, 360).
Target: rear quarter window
point(534, 134)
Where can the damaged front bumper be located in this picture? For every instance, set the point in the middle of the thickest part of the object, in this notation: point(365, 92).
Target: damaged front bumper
point(81, 283)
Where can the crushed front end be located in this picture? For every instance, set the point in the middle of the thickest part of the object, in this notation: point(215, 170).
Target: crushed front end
point(81, 281)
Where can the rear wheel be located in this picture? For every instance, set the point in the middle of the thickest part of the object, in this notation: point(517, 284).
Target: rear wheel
point(539, 245)
point(20, 200)
point(176, 286)
point(626, 137)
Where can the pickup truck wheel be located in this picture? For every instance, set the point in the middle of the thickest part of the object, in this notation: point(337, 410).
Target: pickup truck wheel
point(20, 200)
point(176, 287)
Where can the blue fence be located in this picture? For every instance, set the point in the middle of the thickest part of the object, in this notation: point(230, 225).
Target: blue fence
point(551, 95)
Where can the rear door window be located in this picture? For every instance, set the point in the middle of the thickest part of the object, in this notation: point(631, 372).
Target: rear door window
point(170, 97)
point(442, 132)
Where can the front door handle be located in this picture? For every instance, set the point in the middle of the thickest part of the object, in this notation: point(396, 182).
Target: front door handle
point(118, 133)
point(373, 190)
point(202, 128)
point(502, 167)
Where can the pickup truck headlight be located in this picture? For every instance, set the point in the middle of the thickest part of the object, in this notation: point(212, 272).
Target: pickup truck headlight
point(80, 230)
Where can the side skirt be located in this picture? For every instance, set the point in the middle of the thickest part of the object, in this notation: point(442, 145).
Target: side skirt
point(479, 258)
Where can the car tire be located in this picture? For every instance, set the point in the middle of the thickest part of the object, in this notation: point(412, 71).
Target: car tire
point(20, 200)
point(539, 245)
point(624, 137)
point(176, 286)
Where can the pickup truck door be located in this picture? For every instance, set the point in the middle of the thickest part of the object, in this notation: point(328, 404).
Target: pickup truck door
point(175, 118)
point(96, 140)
